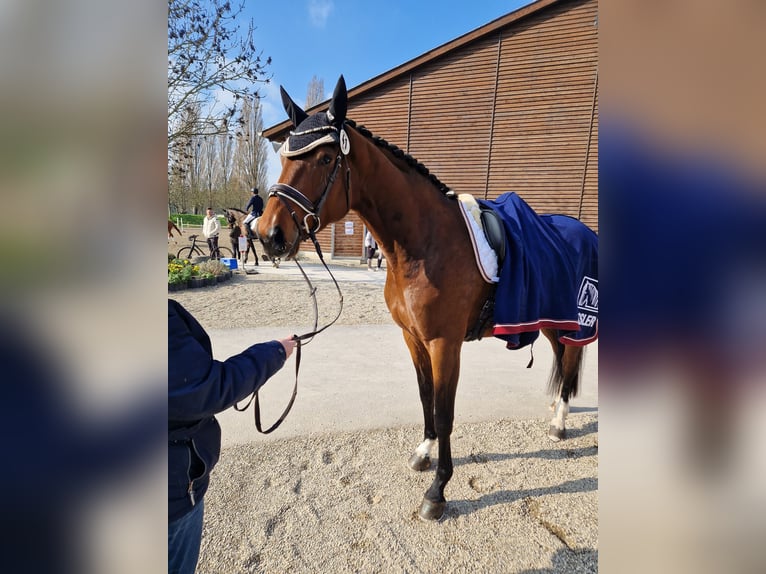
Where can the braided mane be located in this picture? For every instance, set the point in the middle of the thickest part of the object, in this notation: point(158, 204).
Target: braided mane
point(399, 154)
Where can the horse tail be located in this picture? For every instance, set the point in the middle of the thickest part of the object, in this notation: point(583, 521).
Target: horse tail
point(566, 371)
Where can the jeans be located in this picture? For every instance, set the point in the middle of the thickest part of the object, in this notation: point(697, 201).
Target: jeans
point(212, 243)
point(184, 536)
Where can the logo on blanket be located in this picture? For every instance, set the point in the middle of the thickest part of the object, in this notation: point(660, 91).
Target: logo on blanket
point(587, 300)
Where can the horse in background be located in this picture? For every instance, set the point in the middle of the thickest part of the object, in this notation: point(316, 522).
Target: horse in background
point(171, 227)
point(236, 218)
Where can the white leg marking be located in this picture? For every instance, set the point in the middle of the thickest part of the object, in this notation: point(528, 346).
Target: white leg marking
point(559, 419)
point(424, 448)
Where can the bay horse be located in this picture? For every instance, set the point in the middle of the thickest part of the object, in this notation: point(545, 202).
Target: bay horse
point(171, 227)
point(236, 218)
point(434, 289)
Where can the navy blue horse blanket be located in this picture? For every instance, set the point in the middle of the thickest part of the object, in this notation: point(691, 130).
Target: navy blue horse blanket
point(549, 277)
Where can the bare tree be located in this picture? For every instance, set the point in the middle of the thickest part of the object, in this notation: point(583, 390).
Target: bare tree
point(315, 93)
point(208, 158)
point(211, 60)
point(226, 191)
point(184, 166)
point(252, 151)
point(208, 57)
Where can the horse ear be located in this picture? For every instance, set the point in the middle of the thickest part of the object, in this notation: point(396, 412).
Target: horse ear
point(297, 115)
point(339, 103)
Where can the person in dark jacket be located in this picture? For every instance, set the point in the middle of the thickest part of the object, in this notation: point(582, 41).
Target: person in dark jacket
point(198, 388)
point(234, 233)
point(255, 207)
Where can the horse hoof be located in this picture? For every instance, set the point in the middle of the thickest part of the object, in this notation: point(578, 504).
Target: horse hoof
point(556, 434)
point(431, 511)
point(419, 463)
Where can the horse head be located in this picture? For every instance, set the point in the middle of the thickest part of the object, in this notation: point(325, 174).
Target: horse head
point(302, 201)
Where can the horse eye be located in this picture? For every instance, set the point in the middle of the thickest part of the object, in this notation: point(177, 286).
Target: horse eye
point(325, 159)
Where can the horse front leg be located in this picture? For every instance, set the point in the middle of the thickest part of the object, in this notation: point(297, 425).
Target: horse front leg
point(421, 458)
point(445, 360)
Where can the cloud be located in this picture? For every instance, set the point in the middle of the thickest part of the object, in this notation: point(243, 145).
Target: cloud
point(319, 11)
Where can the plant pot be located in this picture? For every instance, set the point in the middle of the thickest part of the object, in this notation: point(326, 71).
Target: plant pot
point(177, 286)
point(209, 281)
point(196, 282)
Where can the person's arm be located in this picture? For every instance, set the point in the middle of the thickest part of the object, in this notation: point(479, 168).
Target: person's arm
point(200, 386)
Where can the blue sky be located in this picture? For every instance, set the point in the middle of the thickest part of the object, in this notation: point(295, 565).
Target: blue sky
point(357, 38)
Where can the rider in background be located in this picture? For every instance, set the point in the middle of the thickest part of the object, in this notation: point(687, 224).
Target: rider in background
point(255, 207)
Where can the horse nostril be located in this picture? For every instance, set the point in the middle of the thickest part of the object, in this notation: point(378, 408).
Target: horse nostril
point(276, 237)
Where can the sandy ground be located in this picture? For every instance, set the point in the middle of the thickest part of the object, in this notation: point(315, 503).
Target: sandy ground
point(347, 502)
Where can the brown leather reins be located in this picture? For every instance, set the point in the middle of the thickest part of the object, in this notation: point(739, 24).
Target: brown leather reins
point(299, 339)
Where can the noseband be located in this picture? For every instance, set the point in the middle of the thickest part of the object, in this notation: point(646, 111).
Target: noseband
point(287, 192)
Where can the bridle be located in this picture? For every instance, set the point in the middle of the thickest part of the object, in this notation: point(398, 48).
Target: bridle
point(288, 195)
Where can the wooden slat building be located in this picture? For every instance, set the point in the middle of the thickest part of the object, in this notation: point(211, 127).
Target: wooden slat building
point(510, 106)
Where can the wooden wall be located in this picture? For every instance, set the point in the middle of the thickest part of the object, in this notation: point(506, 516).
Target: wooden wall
point(514, 109)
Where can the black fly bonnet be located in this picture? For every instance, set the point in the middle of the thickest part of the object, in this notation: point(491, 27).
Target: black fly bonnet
point(314, 131)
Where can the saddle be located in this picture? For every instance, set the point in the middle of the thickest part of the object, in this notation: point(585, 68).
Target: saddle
point(489, 247)
point(494, 232)
point(487, 233)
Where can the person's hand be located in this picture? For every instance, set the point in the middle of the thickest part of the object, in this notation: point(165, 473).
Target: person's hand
point(289, 345)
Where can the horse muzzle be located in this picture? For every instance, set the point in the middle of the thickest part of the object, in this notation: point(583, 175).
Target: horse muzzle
point(275, 243)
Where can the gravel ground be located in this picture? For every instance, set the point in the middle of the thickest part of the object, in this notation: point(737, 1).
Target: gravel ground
point(347, 502)
point(271, 301)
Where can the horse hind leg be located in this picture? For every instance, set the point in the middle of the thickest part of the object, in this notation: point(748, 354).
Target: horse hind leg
point(563, 383)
